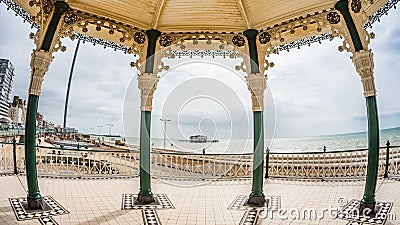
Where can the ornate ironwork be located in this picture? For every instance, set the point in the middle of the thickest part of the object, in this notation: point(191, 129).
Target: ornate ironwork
point(382, 11)
point(264, 37)
point(139, 37)
point(46, 5)
point(306, 41)
point(238, 40)
point(333, 17)
point(356, 6)
point(105, 43)
point(19, 12)
point(165, 40)
point(70, 17)
point(201, 53)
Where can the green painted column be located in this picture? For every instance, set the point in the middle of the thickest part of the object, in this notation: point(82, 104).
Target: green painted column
point(373, 152)
point(145, 182)
point(34, 198)
point(30, 147)
point(368, 201)
point(258, 161)
point(256, 197)
point(145, 195)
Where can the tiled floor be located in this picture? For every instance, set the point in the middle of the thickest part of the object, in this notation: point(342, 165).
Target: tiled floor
point(100, 201)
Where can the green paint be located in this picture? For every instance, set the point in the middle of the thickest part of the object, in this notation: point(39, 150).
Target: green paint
point(151, 49)
point(60, 8)
point(372, 113)
point(373, 151)
point(145, 180)
point(30, 150)
point(258, 161)
point(251, 36)
point(343, 7)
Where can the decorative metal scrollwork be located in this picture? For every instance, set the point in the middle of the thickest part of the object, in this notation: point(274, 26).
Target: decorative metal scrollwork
point(165, 41)
point(46, 5)
point(139, 37)
point(238, 40)
point(356, 6)
point(70, 17)
point(333, 18)
point(264, 37)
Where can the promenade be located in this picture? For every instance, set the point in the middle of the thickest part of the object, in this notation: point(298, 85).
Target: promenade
point(99, 201)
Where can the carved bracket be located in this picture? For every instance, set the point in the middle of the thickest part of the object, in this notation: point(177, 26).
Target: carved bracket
point(40, 63)
point(257, 83)
point(364, 63)
point(147, 84)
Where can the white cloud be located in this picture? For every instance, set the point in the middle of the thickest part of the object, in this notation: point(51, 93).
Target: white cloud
point(316, 89)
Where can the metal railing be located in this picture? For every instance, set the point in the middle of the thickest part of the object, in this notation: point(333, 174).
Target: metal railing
point(82, 162)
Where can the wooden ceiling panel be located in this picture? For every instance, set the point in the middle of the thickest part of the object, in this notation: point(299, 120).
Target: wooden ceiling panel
point(206, 13)
point(266, 13)
point(138, 13)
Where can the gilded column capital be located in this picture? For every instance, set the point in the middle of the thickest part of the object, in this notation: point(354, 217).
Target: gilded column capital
point(257, 83)
point(147, 84)
point(364, 63)
point(40, 62)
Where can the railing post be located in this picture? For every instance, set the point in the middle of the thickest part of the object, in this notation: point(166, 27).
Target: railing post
point(387, 160)
point(267, 164)
point(14, 141)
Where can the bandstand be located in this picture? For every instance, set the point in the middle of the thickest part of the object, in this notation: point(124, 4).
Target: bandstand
point(154, 30)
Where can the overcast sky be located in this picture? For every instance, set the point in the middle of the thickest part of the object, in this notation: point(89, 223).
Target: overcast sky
point(312, 91)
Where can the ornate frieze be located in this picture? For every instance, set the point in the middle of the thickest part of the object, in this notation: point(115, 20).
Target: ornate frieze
point(257, 83)
point(364, 63)
point(147, 84)
point(217, 44)
point(40, 63)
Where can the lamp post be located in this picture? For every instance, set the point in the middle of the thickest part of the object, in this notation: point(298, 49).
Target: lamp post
point(165, 129)
point(69, 85)
point(99, 129)
point(109, 131)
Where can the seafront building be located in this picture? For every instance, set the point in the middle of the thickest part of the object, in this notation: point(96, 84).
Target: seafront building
point(17, 111)
point(7, 73)
point(156, 186)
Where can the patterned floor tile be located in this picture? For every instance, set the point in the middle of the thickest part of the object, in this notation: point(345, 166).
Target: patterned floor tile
point(51, 208)
point(351, 212)
point(150, 217)
point(162, 202)
point(47, 221)
point(250, 217)
point(272, 203)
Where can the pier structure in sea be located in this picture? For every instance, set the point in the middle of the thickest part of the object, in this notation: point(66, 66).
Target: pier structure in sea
point(156, 30)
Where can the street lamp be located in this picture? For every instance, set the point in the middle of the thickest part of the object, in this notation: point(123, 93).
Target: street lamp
point(165, 128)
point(109, 131)
point(99, 129)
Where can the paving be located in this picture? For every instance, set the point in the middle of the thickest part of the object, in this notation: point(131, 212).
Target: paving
point(190, 202)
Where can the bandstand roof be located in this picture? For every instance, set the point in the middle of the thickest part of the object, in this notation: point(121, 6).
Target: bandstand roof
point(202, 16)
point(190, 16)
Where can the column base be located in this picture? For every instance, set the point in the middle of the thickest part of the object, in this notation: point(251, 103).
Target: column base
point(256, 201)
point(367, 209)
point(35, 203)
point(144, 199)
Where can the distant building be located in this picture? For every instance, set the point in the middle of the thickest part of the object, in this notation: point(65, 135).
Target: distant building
point(48, 125)
point(17, 111)
point(7, 73)
point(39, 120)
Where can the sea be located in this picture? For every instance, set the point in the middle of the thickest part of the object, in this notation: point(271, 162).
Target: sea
point(337, 142)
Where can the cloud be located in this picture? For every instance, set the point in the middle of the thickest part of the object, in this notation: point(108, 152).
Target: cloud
point(315, 89)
